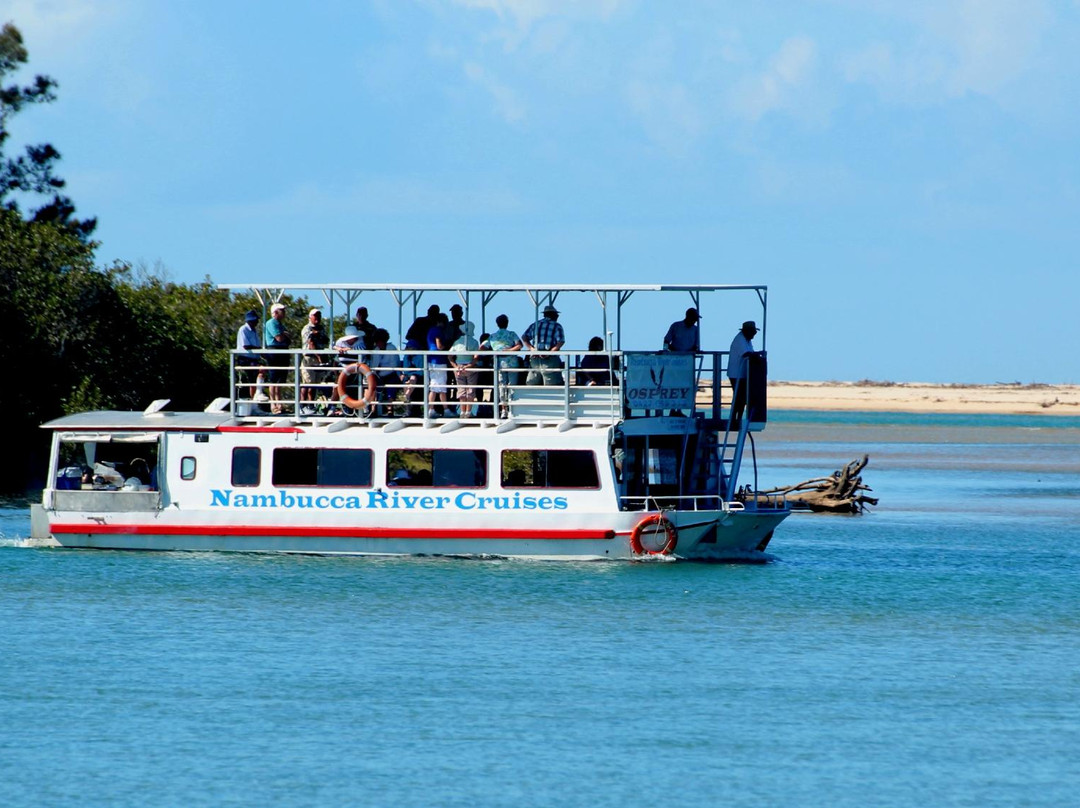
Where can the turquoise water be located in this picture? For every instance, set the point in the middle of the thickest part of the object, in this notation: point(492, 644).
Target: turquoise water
point(924, 653)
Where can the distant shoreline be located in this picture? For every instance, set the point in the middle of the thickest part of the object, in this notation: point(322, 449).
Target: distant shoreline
point(1006, 399)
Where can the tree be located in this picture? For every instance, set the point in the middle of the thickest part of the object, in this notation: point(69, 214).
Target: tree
point(59, 305)
point(32, 172)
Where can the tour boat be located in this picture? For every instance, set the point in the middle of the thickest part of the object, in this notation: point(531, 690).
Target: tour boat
point(645, 464)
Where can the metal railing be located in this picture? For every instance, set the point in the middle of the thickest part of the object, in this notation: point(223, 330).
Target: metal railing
point(689, 502)
point(302, 384)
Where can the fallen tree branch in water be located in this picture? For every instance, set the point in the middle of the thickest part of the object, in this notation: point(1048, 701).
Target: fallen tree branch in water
point(840, 492)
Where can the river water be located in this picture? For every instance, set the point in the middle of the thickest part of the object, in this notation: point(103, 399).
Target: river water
point(926, 652)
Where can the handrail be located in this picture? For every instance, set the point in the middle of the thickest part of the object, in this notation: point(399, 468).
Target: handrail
point(502, 391)
point(687, 502)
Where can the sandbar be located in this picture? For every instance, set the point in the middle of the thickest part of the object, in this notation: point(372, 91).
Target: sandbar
point(868, 396)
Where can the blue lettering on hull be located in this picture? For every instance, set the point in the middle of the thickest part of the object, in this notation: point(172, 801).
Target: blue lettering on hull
point(385, 500)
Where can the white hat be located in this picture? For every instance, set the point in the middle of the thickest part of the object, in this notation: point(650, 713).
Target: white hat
point(352, 332)
point(314, 311)
point(277, 307)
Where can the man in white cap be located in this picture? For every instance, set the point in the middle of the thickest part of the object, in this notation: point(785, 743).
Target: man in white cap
point(314, 338)
point(737, 367)
point(276, 337)
point(546, 334)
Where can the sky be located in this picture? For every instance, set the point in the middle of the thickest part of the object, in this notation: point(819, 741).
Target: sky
point(903, 174)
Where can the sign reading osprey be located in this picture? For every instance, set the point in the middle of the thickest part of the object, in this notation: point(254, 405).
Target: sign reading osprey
point(660, 381)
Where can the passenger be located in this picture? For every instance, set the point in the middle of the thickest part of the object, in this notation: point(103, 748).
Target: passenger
point(401, 478)
point(515, 478)
point(314, 338)
point(546, 334)
point(348, 352)
point(349, 346)
point(138, 478)
point(457, 323)
point(466, 374)
point(366, 329)
point(454, 331)
point(276, 338)
point(385, 363)
point(485, 378)
point(594, 370)
point(416, 340)
point(736, 368)
point(418, 331)
point(437, 365)
point(507, 367)
point(139, 469)
point(249, 341)
point(684, 335)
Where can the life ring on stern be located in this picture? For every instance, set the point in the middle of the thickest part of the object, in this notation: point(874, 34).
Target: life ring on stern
point(351, 370)
point(654, 519)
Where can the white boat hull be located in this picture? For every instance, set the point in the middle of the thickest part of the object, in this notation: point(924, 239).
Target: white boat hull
point(702, 534)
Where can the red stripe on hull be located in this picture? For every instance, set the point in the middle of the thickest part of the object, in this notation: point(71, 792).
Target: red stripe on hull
point(250, 429)
point(336, 532)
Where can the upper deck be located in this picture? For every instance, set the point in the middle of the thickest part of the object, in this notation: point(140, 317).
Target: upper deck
point(627, 379)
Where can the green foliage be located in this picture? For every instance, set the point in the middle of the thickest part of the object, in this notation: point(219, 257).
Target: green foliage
point(33, 171)
point(53, 291)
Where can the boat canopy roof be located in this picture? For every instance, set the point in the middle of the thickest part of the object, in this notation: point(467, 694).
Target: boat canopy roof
point(502, 287)
point(342, 297)
point(139, 422)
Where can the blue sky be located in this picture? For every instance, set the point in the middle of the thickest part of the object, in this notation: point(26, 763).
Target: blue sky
point(902, 174)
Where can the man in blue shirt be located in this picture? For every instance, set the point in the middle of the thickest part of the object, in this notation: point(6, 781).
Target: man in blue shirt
point(276, 337)
point(684, 335)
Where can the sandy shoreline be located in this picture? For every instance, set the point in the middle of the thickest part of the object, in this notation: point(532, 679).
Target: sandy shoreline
point(1006, 399)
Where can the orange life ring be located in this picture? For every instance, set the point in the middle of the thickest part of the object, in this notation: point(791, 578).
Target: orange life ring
point(351, 370)
point(669, 530)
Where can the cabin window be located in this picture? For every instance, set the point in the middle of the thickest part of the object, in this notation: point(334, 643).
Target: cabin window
point(442, 468)
point(549, 468)
point(109, 464)
point(245, 465)
point(187, 468)
point(332, 468)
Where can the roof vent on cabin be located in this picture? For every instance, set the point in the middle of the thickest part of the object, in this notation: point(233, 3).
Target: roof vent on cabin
point(156, 407)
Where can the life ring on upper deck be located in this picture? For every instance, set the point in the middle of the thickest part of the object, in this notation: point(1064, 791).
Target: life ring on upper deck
point(352, 370)
point(654, 519)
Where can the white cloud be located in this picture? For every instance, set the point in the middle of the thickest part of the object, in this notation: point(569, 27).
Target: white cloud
point(786, 85)
point(667, 113)
point(994, 41)
point(506, 100)
point(524, 13)
point(970, 46)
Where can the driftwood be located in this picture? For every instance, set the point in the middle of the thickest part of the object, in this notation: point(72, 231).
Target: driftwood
point(837, 493)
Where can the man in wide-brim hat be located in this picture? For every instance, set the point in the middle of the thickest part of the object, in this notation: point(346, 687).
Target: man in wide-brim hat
point(737, 367)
